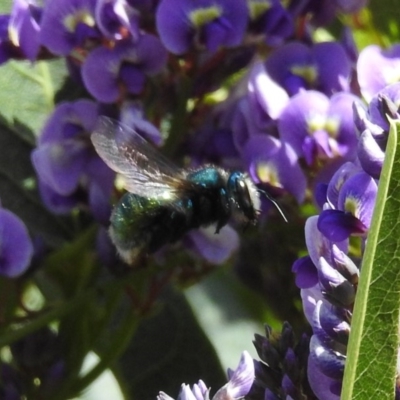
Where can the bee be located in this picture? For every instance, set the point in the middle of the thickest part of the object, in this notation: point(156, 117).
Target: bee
point(164, 202)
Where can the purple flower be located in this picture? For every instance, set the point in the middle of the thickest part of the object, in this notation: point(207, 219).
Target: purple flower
point(274, 163)
point(322, 12)
point(318, 245)
point(24, 27)
point(324, 66)
point(370, 154)
point(57, 203)
point(7, 49)
point(319, 128)
point(323, 386)
point(67, 163)
point(132, 115)
point(110, 72)
point(306, 272)
point(280, 373)
point(349, 45)
point(329, 303)
point(16, 248)
point(327, 306)
point(199, 391)
point(68, 24)
point(383, 105)
point(265, 95)
point(343, 173)
point(329, 276)
point(145, 6)
point(270, 18)
point(213, 145)
point(373, 125)
point(246, 118)
point(240, 381)
point(372, 142)
point(353, 213)
point(117, 19)
point(36, 356)
point(214, 248)
point(377, 68)
point(209, 24)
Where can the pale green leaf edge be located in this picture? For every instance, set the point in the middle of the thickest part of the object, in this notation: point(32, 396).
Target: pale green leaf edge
point(369, 374)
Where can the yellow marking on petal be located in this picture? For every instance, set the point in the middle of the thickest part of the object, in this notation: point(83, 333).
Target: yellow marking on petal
point(351, 205)
point(307, 72)
point(72, 20)
point(332, 125)
point(391, 75)
point(257, 8)
point(267, 173)
point(203, 16)
point(316, 122)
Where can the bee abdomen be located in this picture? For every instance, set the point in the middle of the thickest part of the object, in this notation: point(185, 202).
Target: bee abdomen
point(139, 223)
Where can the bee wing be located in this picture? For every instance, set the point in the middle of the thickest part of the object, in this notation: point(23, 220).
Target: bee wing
point(146, 171)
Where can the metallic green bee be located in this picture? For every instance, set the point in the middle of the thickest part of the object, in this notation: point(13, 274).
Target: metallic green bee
point(164, 202)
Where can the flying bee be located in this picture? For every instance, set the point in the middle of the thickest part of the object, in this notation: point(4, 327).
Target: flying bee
point(164, 202)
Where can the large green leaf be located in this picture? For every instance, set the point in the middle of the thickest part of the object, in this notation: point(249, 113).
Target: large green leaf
point(5, 6)
point(374, 341)
point(230, 314)
point(28, 90)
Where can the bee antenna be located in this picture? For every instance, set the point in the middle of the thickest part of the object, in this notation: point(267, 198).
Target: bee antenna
point(269, 197)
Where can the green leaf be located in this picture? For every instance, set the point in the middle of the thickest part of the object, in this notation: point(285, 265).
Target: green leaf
point(72, 267)
point(5, 6)
point(386, 15)
point(170, 349)
point(28, 90)
point(230, 314)
point(374, 341)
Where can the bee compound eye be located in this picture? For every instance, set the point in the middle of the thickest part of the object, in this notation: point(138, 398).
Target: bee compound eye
point(243, 196)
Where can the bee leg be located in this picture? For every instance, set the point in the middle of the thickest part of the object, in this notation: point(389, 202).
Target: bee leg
point(224, 212)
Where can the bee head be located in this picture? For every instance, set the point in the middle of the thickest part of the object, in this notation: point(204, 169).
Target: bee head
point(244, 195)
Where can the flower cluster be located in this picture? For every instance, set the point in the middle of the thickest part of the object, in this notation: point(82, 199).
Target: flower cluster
point(328, 276)
point(240, 382)
point(69, 169)
point(296, 106)
point(38, 367)
point(282, 370)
